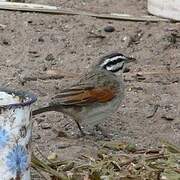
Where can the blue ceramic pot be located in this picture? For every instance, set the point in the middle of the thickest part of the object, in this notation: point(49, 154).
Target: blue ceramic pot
point(15, 134)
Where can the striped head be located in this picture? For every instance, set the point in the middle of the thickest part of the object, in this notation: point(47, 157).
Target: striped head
point(114, 62)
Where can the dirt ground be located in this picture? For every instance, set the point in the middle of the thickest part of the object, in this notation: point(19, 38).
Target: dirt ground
point(33, 43)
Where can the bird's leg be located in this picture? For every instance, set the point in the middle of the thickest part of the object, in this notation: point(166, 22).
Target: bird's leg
point(79, 126)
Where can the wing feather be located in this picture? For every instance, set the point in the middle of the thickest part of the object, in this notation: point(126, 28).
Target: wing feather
point(84, 95)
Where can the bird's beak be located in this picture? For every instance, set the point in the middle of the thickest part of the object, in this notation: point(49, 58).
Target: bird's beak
point(131, 59)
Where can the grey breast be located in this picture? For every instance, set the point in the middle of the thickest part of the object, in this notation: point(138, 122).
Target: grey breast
point(98, 112)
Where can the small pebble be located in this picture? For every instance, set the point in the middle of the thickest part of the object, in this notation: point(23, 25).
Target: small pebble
point(39, 120)
point(124, 38)
point(53, 156)
point(33, 54)
point(49, 57)
point(109, 29)
point(6, 42)
point(2, 26)
point(131, 147)
point(36, 136)
point(140, 77)
point(40, 39)
point(126, 70)
point(59, 133)
point(29, 21)
point(45, 126)
point(164, 178)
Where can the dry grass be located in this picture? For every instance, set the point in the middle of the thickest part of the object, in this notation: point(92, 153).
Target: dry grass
point(116, 161)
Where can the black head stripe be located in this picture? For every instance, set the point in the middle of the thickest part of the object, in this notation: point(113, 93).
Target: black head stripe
point(113, 62)
point(112, 59)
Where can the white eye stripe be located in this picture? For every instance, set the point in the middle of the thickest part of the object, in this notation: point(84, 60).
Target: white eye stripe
point(111, 60)
point(114, 67)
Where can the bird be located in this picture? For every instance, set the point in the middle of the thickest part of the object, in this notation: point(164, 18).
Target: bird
point(96, 95)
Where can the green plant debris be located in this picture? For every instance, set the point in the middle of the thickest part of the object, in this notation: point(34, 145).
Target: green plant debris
point(123, 163)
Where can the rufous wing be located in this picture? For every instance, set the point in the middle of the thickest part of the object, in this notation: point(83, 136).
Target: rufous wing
point(84, 95)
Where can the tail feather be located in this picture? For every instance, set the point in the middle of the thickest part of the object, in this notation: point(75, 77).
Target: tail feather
point(43, 110)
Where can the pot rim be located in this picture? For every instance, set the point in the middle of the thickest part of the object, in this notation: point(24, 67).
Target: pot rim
point(29, 98)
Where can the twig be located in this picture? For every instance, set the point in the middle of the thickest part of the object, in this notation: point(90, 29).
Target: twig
point(2, 26)
point(156, 106)
point(157, 156)
point(50, 74)
point(171, 147)
point(58, 74)
point(177, 170)
point(94, 35)
point(83, 166)
point(128, 162)
point(39, 172)
point(43, 156)
point(148, 151)
point(25, 7)
point(42, 77)
point(158, 72)
point(43, 166)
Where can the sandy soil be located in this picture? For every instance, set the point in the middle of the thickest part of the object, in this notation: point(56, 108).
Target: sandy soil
point(32, 43)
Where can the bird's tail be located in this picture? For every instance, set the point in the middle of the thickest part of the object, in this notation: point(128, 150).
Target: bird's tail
point(43, 109)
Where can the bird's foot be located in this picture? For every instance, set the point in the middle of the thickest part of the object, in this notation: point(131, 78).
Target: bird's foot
point(103, 132)
point(98, 132)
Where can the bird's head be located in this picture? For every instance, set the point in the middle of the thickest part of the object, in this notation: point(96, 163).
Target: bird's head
point(114, 62)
